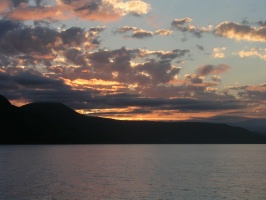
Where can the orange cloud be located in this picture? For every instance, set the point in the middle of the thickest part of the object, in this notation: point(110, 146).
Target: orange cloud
point(106, 10)
point(4, 5)
point(95, 82)
point(100, 85)
point(25, 12)
point(130, 113)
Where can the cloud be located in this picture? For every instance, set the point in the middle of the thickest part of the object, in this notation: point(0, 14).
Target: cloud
point(156, 69)
point(254, 52)
point(178, 104)
point(238, 32)
point(194, 78)
point(163, 32)
point(6, 26)
point(32, 86)
point(226, 29)
point(142, 34)
point(216, 78)
point(211, 69)
point(184, 25)
point(181, 22)
point(218, 52)
point(135, 68)
point(165, 55)
point(200, 47)
point(257, 92)
point(29, 79)
point(105, 10)
point(136, 32)
point(40, 45)
point(262, 23)
point(4, 5)
point(125, 29)
point(25, 12)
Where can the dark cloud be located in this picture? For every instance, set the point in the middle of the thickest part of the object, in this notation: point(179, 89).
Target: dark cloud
point(211, 69)
point(76, 57)
point(140, 34)
point(245, 22)
point(200, 47)
point(255, 92)
point(136, 32)
point(194, 79)
point(74, 36)
point(28, 40)
point(184, 25)
point(262, 23)
point(178, 104)
point(216, 78)
point(166, 55)
point(28, 79)
point(45, 46)
point(180, 22)
point(7, 26)
point(159, 72)
point(32, 86)
point(18, 2)
point(105, 63)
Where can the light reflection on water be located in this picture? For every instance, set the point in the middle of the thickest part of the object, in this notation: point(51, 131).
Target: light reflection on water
point(133, 172)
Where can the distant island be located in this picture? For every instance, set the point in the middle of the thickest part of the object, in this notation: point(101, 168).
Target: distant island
point(55, 123)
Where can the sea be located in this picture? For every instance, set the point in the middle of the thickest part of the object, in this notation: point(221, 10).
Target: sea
point(52, 172)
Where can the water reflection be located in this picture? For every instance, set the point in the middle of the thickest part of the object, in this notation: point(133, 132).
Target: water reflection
point(132, 172)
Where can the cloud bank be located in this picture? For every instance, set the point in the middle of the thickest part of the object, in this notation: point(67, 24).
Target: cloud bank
point(101, 10)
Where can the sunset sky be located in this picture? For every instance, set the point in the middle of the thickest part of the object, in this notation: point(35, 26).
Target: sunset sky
point(138, 60)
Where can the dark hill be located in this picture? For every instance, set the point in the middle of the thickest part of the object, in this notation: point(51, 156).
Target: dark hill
point(54, 111)
point(55, 123)
point(4, 103)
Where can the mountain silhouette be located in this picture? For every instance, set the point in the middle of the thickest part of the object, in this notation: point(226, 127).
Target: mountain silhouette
point(55, 123)
point(4, 103)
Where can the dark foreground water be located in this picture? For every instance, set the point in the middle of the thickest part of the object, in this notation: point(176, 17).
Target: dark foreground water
point(133, 172)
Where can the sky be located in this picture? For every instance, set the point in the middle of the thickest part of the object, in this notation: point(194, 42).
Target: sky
point(173, 60)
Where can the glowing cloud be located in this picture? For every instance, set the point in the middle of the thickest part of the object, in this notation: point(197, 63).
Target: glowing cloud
point(105, 10)
point(163, 32)
point(218, 52)
point(4, 5)
point(236, 31)
point(254, 52)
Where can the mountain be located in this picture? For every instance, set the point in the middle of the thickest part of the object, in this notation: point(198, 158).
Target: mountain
point(55, 123)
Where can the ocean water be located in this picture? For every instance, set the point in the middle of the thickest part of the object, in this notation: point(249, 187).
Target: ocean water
point(132, 172)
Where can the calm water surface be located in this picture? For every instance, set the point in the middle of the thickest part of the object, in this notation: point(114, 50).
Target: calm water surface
point(133, 172)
